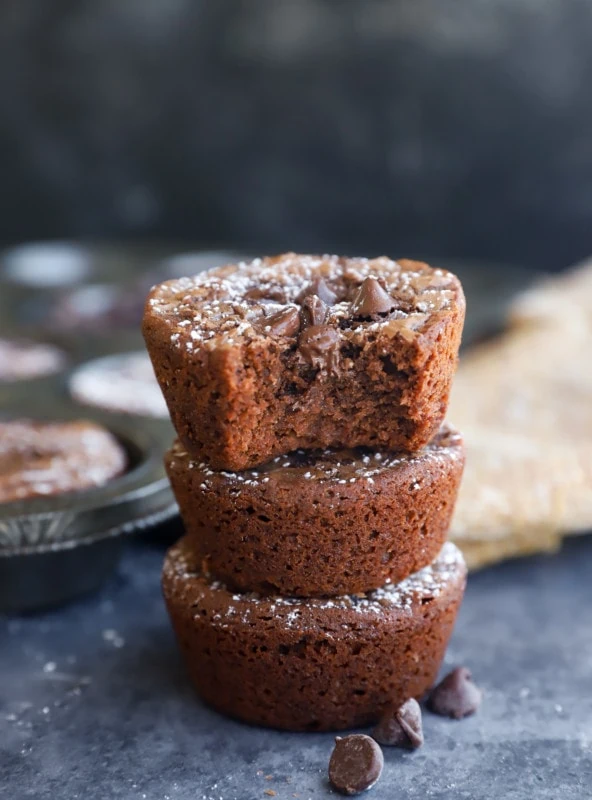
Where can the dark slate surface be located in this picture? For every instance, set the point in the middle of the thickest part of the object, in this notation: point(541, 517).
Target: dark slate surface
point(94, 703)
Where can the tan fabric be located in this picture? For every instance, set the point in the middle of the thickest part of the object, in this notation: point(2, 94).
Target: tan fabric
point(484, 554)
point(524, 404)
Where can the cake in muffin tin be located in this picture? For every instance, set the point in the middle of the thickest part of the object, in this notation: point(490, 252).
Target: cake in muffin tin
point(41, 459)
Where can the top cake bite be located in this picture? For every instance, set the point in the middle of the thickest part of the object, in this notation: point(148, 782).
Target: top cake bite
point(299, 351)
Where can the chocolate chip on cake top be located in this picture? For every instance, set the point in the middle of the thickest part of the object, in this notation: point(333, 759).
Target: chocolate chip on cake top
point(288, 295)
point(297, 351)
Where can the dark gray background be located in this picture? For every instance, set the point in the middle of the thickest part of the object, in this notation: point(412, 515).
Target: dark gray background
point(461, 128)
point(454, 127)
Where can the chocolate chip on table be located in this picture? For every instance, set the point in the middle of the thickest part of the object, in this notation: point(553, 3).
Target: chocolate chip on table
point(314, 311)
point(400, 727)
point(320, 287)
point(356, 763)
point(371, 300)
point(456, 695)
point(284, 323)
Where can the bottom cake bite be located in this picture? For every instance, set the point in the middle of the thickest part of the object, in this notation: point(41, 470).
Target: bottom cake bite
point(312, 664)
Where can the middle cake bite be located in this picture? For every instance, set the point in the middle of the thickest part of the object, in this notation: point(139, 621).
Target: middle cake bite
point(320, 523)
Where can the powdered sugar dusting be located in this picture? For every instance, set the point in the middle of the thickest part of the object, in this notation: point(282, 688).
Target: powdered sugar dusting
point(419, 588)
point(228, 305)
point(341, 467)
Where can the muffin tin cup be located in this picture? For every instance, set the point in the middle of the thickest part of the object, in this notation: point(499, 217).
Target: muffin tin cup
point(54, 548)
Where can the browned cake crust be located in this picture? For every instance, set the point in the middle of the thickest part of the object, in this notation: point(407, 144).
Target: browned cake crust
point(312, 664)
point(314, 524)
point(38, 459)
point(260, 359)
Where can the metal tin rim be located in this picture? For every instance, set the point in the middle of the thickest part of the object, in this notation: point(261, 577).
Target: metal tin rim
point(139, 498)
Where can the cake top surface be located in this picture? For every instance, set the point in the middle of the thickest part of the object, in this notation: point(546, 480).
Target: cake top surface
point(323, 466)
point(123, 382)
point(227, 608)
point(38, 459)
point(283, 296)
point(21, 359)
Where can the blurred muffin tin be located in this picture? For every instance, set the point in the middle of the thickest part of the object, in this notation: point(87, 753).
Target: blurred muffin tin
point(64, 287)
point(86, 300)
point(23, 359)
point(53, 549)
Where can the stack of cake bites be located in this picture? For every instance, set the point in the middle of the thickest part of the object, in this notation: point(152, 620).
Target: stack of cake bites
point(316, 480)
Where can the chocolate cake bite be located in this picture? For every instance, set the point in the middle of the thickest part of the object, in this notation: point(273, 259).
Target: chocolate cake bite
point(312, 664)
point(257, 360)
point(40, 459)
point(322, 522)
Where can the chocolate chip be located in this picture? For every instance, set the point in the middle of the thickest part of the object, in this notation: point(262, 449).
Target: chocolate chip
point(319, 345)
point(314, 311)
point(371, 300)
point(284, 323)
point(456, 695)
point(320, 287)
point(400, 727)
point(356, 763)
point(266, 294)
